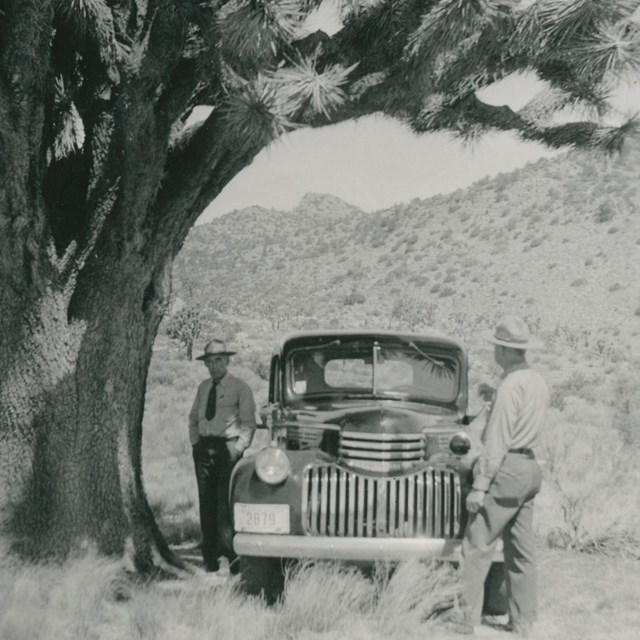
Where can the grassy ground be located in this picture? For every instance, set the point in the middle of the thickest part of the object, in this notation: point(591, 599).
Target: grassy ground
point(581, 596)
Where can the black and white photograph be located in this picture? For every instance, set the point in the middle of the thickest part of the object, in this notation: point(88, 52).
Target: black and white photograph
point(319, 319)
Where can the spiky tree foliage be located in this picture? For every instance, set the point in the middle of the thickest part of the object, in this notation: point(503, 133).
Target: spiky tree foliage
point(100, 181)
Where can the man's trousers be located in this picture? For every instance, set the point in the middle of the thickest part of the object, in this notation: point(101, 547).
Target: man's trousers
point(213, 471)
point(507, 514)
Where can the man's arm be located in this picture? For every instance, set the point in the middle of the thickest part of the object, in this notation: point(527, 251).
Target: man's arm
point(194, 436)
point(498, 437)
point(246, 416)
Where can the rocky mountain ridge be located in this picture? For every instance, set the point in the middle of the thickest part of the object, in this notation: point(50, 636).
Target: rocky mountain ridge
point(557, 240)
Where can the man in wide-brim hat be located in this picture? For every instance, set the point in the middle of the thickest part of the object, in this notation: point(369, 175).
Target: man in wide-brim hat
point(215, 348)
point(221, 426)
point(506, 478)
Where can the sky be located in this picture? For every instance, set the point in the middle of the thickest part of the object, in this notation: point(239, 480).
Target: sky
point(377, 162)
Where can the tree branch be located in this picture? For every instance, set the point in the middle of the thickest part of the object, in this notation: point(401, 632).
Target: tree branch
point(195, 175)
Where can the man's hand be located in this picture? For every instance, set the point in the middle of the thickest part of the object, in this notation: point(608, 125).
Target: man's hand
point(475, 500)
point(234, 454)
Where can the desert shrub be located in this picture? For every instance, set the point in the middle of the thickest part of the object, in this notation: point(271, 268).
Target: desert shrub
point(355, 297)
point(256, 360)
point(579, 282)
point(577, 385)
point(616, 286)
point(413, 313)
point(446, 292)
point(418, 281)
point(626, 394)
point(466, 325)
point(595, 480)
point(605, 212)
point(470, 261)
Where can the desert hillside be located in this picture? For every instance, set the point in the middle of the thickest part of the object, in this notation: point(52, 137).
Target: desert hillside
point(557, 241)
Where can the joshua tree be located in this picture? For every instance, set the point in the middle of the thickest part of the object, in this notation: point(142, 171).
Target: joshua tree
point(101, 179)
point(185, 327)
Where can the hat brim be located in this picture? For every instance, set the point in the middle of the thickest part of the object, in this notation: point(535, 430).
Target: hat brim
point(221, 353)
point(531, 343)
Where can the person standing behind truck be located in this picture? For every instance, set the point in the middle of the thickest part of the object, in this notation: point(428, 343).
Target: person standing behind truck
point(506, 479)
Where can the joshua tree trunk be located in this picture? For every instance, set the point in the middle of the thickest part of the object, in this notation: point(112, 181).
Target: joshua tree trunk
point(72, 393)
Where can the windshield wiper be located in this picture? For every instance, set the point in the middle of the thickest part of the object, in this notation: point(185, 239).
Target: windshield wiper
point(314, 347)
point(414, 346)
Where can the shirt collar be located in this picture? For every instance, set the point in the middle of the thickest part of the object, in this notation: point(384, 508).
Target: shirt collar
point(519, 366)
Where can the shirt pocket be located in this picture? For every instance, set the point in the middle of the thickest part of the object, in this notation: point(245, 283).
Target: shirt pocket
point(228, 404)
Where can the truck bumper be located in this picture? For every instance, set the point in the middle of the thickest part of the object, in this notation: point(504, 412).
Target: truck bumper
point(355, 549)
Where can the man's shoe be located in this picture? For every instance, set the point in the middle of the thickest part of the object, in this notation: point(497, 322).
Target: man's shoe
point(522, 629)
point(234, 567)
point(211, 567)
point(461, 628)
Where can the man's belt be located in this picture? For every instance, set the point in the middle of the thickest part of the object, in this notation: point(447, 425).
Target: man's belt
point(213, 440)
point(524, 451)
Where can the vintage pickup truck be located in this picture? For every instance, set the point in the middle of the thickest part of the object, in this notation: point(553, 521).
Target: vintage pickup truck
point(368, 458)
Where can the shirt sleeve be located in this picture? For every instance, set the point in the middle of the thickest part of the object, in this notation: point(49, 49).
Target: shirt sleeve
point(193, 420)
point(498, 436)
point(247, 417)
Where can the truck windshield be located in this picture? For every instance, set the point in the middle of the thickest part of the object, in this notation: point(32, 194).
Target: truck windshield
point(378, 369)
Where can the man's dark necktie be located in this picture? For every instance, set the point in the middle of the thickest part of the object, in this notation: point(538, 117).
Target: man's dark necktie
point(210, 411)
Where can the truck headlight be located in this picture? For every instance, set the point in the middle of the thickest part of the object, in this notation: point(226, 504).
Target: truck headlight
point(272, 465)
point(460, 443)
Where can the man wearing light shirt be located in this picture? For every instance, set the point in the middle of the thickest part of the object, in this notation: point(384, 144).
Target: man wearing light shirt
point(506, 477)
point(221, 426)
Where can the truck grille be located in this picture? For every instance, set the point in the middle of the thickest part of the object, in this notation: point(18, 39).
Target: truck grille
point(386, 452)
point(390, 452)
point(338, 502)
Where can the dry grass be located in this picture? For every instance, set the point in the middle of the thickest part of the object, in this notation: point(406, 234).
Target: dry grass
point(581, 596)
point(595, 479)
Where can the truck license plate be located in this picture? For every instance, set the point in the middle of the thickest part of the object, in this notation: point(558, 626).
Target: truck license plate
point(261, 518)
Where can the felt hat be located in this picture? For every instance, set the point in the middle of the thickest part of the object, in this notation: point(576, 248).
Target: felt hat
point(513, 332)
point(215, 347)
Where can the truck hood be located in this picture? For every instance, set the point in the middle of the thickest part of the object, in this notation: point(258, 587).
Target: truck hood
point(377, 416)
